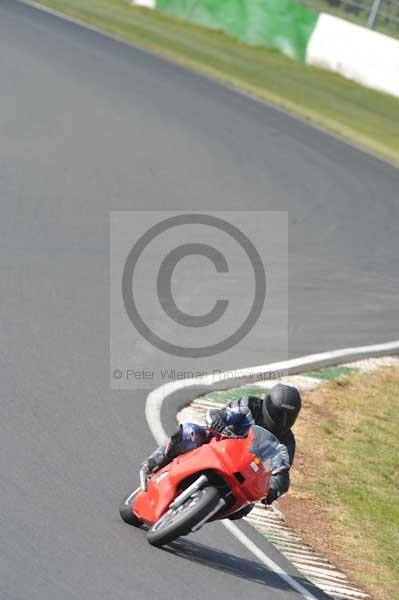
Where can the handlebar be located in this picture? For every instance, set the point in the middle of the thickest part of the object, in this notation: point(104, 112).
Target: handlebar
point(227, 433)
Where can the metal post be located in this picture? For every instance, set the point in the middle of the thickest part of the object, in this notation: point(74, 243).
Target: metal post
point(373, 13)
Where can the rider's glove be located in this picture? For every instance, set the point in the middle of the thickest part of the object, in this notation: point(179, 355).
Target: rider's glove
point(148, 466)
point(217, 424)
point(271, 497)
point(229, 432)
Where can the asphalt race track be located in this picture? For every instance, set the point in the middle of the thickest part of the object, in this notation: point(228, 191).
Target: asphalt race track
point(89, 125)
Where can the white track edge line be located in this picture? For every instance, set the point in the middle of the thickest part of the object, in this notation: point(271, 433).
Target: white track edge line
point(253, 548)
point(157, 396)
point(153, 415)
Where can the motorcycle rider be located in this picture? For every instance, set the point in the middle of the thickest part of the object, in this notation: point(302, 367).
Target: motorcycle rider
point(277, 413)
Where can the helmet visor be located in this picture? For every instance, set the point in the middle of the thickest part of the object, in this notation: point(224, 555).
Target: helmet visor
point(283, 416)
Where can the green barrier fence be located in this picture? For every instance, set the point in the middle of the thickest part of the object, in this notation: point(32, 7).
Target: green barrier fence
point(282, 25)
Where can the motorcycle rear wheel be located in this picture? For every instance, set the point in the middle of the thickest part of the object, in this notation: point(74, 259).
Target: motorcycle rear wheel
point(125, 510)
point(180, 521)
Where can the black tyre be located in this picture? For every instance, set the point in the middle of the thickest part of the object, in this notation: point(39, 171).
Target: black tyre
point(125, 510)
point(180, 521)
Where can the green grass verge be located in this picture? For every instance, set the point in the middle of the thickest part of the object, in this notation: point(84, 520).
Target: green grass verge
point(363, 116)
point(329, 373)
point(226, 396)
point(348, 448)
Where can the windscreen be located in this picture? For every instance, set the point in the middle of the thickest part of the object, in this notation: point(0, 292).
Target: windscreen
point(268, 449)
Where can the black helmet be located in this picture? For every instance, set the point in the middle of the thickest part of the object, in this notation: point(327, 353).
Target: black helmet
point(280, 408)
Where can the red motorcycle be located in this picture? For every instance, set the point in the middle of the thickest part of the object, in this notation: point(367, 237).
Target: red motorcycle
point(205, 484)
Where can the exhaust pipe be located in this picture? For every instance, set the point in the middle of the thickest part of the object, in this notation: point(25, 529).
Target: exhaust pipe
point(194, 487)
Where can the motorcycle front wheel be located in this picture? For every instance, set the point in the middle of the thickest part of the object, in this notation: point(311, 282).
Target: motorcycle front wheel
point(180, 521)
point(126, 512)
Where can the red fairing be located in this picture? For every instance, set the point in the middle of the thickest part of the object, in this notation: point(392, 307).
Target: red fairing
point(227, 457)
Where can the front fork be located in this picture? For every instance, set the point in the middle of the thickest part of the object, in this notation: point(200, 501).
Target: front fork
point(188, 492)
point(143, 479)
point(185, 495)
point(218, 507)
